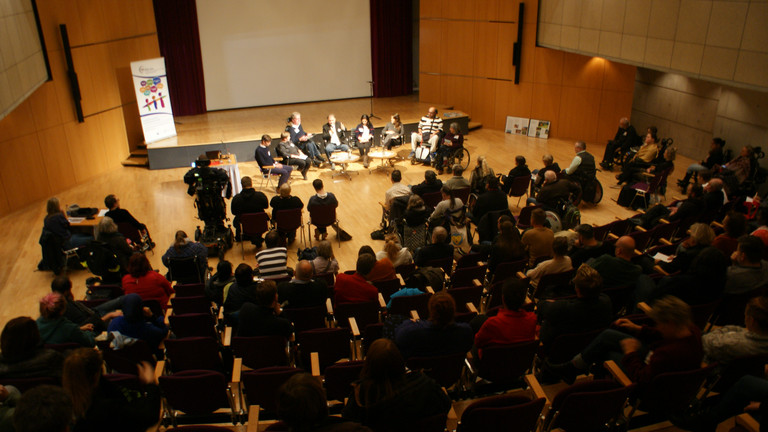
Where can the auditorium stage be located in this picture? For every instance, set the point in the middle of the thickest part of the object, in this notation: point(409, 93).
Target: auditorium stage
point(239, 131)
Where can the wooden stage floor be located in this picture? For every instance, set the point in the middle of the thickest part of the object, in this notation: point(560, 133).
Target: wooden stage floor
point(158, 198)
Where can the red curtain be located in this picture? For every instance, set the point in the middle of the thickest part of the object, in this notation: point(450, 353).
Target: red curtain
point(391, 50)
point(179, 39)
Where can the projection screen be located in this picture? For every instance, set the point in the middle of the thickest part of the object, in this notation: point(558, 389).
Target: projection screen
point(262, 52)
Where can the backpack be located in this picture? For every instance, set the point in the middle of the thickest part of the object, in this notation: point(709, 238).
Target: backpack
point(99, 258)
point(571, 217)
point(307, 254)
point(427, 276)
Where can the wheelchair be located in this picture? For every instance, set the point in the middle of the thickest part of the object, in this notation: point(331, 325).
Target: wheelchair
point(459, 156)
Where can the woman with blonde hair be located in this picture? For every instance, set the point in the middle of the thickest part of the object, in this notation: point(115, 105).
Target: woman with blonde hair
point(106, 232)
point(393, 250)
point(99, 404)
point(480, 175)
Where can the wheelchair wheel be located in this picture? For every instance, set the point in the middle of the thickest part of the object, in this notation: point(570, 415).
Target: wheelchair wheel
point(461, 157)
point(593, 193)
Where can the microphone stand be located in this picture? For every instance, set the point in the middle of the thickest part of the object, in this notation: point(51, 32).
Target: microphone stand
point(372, 115)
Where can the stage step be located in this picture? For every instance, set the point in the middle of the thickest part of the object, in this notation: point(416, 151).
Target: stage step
point(139, 152)
point(474, 125)
point(137, 161)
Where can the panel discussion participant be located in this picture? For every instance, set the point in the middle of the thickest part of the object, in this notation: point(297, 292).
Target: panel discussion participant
point(265, 159)
point(333, 136)
point(429, 130)
point(302, 139)
point(293, 155)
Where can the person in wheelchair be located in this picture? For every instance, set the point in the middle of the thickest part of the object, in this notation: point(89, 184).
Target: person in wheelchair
point(582, 169)
point(641, 161)
point(454, 140)
point(626, 137)
point(207, 184)
point(553, 191)
point(392, 135)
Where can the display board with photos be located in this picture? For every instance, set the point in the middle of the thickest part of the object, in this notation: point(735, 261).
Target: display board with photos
point(517, 125)
point(538, 128)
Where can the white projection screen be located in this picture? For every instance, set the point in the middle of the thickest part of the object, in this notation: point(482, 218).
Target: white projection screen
point(22, 62)
point(263, 52)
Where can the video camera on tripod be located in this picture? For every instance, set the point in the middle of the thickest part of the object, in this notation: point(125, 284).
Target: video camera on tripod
point(207, 184)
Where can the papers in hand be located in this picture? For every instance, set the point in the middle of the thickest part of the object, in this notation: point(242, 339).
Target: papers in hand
point(661, 257)
point(75, 220)
point(103, 212)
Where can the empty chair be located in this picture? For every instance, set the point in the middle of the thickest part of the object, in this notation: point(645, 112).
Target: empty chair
point(364, 313)
point(465, 276)
point(260, 386)
point(254, 225)
point(462, 194)
point(588, 406)
point(190, 305)
point(193, 325)
point(404, 305)
point(193, 353)
point(339, 378)
point(125, 359)
point(565, 346)
point(189, 290)
point(555, 285)
point(671, 392)
point(446, 369)
point(469, 260)
point(331, 345)
point(183, 393)
point(329, 278)
point(519, 187)
point(371, 332)
point(432, 199)
point(465, 295)
point(505, 365)
point(405, 270)
point(388, 287)
point(507, 269)
point(261, 351)
point(185, 270)
point(307, 318)
point(505, 413)
point(288, 221)
point(24, 384)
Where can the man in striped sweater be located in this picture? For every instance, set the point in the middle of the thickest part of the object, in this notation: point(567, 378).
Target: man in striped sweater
point(430, 130)
point(272, 261)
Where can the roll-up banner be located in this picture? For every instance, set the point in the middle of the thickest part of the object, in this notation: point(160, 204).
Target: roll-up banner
point(153, 97)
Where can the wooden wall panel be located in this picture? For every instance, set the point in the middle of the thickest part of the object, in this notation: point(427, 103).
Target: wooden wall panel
point(483, 100)
point(613, 106)
point(114, 137)
point(430, 8)
point(460, 9)
point(145, 17)
point(44, 104)
point(487, 10)
point(507, 37)
point(528, 56)
point(132, 123)
point(429, 87)
point(508, 11)
point(85, 149)
point(545, 104)
point(61, 85)
point(531, 14)
point(456, 53)
point(103, 82)
point(56, 157)
point(55, 12)
point(619, 76)
point(457, 90)
point(17, 123)
point(512, 100)
point(93, 19)
point(582, 71)
point(5, 208)
point(548, 66)
point(579, 109)
point(486, 40)
point(23, 172)
point(429, 45)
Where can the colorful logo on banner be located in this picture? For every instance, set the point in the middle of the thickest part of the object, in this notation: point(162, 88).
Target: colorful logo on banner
point(152, 87)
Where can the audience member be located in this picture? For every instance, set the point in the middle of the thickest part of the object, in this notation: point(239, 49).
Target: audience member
point(735, 225)
point(714, 195)
point(437, 250)
point(762, 226)
point(321, 198)
point(393, 250)
point(302, 291)
point(590, 310)
point(264, 158)
point(450, 206)
point(437, 336)
point(724, 344)
point(9, 397)
point(120, 215)
point(387, 397)
point(428, 131)
point(220, 282)
point(714, 159)
point(102, 405)
point(701, 236)
point(457, 181)
point(147, 283)
point(430, 184)
point(263, 318)
point(382, 270)
point(106, 232)
point(302, 406)
point(742, 164)
point(559, 263)
point(272, 262)
point(81, 314)
point(355, 288)
point(641, 160)
point(416, 213)
point(285, 201)
point(626, 137)
point(538, 240)
point(673, 345)
point(56, 237)
point(618, 270)
point(582, 169)
point(553, 191)
point(749, 270)
point(44, 408)
point(325, 261)
point(292, 155)
point(511, 324)
point(702, 283)
point(55, 329)
point(549, 165)
point(453, 141)
point(480, 176)
point(302, 139)
point(586, 246)
point(22, 354)
point(508, 246)
point(139, 322)
point(520, 170)
point(183, 247)
point(241, 292)
point(248, 201)
point(398, 189)
point(492, 199)
point(333, 136)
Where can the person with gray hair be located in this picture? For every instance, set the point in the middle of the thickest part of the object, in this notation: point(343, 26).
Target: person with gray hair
point(302, 291)
point(453, 141)
point(582, 168)
point(438, 249)
point(302, 139)
point(549, 165)
point(106, 232)
point(701, 236)
point(553, 190)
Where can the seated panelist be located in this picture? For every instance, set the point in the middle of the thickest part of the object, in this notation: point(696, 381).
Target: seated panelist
point(333, 136)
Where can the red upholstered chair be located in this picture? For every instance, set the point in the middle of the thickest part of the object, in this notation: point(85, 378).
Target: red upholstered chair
point(306, 318)
point(261, 351)
point(254, 225)
point(587, 406)
point(260, 386)
point(183, 390)
point(519, 187)
point(339, 378)
point(193, 353)
point(446, 370)
point(288, 221)
point(193, 325)
point(331, 345)
point(505, 413)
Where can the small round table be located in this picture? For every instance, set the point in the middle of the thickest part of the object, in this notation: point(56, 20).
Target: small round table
point(343, 159)
point(382, 155)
